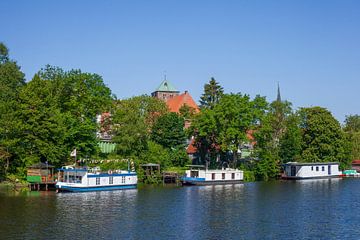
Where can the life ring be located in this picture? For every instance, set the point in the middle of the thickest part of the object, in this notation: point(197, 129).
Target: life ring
point(109, 172)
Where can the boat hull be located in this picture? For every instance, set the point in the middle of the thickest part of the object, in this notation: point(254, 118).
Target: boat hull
point(64, 188)
point(192, 181)
point(317, 177)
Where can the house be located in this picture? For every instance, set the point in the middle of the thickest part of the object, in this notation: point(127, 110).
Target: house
point(295, 170)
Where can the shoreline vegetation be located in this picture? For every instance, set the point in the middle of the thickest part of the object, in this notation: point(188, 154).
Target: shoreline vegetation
point(46, 118)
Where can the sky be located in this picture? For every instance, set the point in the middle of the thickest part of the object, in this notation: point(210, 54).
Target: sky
point(311, 48)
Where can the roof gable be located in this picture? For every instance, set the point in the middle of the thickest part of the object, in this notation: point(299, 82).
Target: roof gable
point(177, 102)
point(166, 86)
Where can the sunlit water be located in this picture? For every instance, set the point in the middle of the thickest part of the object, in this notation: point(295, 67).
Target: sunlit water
point(309, 209)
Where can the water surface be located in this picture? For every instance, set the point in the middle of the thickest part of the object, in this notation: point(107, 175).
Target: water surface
point(308, 209)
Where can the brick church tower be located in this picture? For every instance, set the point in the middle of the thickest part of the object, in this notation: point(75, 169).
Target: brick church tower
point(165, 91)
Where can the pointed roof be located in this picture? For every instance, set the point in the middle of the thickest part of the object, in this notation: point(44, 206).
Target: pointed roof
point(166, 86)
point(278, 94)
point(177, 102)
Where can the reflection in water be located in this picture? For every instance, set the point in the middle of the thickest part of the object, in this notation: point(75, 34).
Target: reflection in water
point(310, 209)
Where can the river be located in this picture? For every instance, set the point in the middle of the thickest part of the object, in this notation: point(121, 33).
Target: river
point(308, 209)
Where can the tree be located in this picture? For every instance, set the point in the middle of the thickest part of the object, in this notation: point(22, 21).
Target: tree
point(79, 97)
point(291, 141)
point(352, 129)
point(235, 115)
point(133, 120)
point(352, 123)
point(168, 131)
point(322, 137)
point(212, 94)
point(42, 127)
point(205, 130)
point(11, 82)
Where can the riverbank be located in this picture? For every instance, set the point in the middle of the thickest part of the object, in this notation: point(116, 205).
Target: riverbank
point(12, 186)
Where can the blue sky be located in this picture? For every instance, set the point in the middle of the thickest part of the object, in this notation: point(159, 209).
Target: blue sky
point(312, 48)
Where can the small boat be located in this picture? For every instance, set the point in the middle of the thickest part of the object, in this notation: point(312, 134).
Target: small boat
point(296, 170)
point(85, 179)
point(351, 173)
point(199, 175)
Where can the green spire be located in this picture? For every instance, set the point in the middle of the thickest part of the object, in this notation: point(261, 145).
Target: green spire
point(166, 86)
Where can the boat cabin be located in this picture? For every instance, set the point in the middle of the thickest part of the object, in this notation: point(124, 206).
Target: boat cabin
point(295, 170)
point(198, 174)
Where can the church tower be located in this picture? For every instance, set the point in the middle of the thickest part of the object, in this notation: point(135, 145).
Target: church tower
point(278, 94)
point(165, 91)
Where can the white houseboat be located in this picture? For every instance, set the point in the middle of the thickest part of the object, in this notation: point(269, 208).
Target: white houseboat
point(199, 175)
point(295, 170)
point(92, 179)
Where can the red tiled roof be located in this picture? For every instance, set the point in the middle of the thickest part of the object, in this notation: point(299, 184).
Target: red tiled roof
point(177, 102)
point(191, 149)
point(250, 137)
point(357, 162)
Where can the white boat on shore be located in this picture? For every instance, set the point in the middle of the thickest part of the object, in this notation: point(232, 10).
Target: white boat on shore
point(199, 175)
point(93, 179)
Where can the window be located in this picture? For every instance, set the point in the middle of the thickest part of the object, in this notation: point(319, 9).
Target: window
point(213, 176)
point(223, 175)
point(312, 168)
point(233, 176)
point(111, 180)
point(97, 181)
point(323, 168)
point(317, 169)
point(123, 179)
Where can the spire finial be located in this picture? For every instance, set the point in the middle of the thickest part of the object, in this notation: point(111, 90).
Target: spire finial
point(278, 93)
point(164, 75)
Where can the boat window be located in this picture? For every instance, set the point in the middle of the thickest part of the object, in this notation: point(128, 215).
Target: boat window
point(317, 168)
point(111, 180)
point(232, 175)
point(123, 179)
point(78, 179)
point(223, 176)
point(194, 174)
point(213, 176)
point(97, 181)
point(323, 168)
point(312, 168)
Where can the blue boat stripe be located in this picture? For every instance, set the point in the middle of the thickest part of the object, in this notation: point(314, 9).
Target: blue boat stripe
point(193, 179)
point(100, 188)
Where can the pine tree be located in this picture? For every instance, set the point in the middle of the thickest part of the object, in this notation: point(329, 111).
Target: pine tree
point(212, 94)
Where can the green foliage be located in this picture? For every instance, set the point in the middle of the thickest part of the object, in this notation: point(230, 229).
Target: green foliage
point(113, 165)
point(46, 118)
point(204, 128)
point(133, 120)
point(352, 123)
point(179, 157)
point(155, 153)
point(168, 131)
point(323, 138)
point(212, 94)
point(187, 112)
point(291, 141)
point(235, 114)
point(352, 129)
point(249, 176)
point(11, 82)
